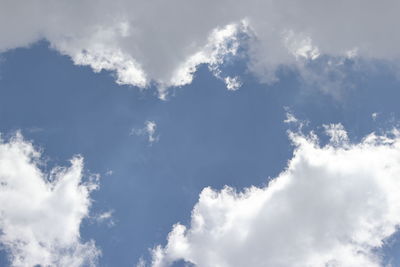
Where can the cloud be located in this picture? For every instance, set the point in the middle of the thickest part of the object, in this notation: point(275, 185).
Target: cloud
point(40, 213)
point(164, 42)
point(337, 133)
point(232, 83)
point(374, 116)
point(105, 217)
point(149, 130)
point(334, 205)
point(290, 118)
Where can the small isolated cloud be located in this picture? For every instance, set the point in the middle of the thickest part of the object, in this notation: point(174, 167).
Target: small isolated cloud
point(40, 213)
point(374, 116)
point(333, 205)
point(232, 83)
point(148, 130)
point(105, 217)
point(290, 118)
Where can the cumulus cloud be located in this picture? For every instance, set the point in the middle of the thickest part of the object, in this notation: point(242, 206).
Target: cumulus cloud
point(40, 213)
point(334, 205)
point(165, 41)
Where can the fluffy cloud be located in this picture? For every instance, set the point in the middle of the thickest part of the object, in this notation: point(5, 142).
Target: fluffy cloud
point(334, 205)
point(40, 213)
point(164, 41)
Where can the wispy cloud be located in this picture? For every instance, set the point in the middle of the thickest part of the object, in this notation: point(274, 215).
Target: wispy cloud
point(105, 217)
point(148, 130)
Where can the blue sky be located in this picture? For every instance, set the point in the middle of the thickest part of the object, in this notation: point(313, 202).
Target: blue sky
point(205, 136)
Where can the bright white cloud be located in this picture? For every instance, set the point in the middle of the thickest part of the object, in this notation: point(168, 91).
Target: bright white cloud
point(334, 205)
point(40, 213)
point(164, 41)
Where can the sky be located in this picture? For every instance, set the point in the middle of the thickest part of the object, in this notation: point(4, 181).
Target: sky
point(140, 134)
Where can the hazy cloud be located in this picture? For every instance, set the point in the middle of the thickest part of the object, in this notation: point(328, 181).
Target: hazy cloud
point(164, 42)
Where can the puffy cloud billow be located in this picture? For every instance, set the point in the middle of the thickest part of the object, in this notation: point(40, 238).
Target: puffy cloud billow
point(334, 205)
point(163, 42)
point(41, 213)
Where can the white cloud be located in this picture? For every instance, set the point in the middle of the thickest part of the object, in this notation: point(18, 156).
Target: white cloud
point(374, 116)
point(333, 206)
point(149, 130)
point(106, 217)
point(232, 83)
point(40, 213)
point(290, 118)
point(165, 41)
point(337, 133)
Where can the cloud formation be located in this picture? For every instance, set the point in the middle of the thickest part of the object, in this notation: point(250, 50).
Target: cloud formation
point(334, 205)
point(40, 213)
point(163, 42)
point(148, 130)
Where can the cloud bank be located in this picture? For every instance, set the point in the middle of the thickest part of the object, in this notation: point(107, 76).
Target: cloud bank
point(40, 213)
point(334, 205)
point(163, 42)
